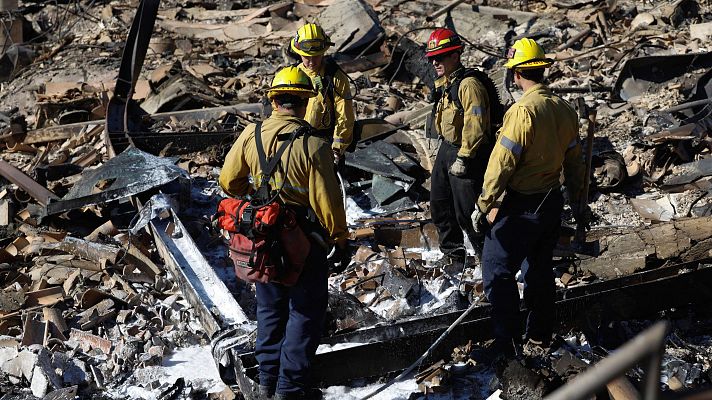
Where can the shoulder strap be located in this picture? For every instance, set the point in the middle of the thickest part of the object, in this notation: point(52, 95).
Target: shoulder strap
point(496, 107)
point(268, 166)
point(430, 131)
point(453, 92)
point(330, 70)
point(261, 155)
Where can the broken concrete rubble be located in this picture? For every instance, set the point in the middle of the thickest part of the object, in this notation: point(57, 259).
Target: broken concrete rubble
point(352, 23)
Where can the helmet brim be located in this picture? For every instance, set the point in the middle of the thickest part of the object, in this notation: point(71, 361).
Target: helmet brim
point(531, 64)
point(308, 53)
point(434, 53)
point(306, 93)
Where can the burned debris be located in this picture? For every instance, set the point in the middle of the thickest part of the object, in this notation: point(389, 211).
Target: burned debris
point(116, 118)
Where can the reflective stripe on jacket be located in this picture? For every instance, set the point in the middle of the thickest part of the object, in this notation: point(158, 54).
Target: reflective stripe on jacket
point(470, 127)
point(538, 138)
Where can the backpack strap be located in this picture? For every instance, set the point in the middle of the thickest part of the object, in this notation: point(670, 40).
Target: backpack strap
point(496, 109)
point(268, 166)
point(431, 131)
point(453, 90)
point(330, 70)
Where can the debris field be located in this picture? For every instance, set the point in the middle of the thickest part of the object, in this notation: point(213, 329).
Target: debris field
point(116, 116)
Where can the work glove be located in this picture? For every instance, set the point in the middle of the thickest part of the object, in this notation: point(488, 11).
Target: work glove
point(339, 258)
point(479, 222)
point(337, 156)
point(459, 167)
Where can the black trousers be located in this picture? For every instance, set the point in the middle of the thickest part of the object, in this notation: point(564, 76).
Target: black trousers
point(452, 199)
point(289, 326)
point(523, 235)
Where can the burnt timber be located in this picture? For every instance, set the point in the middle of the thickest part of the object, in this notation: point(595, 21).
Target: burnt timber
point(392, 348)
point(379, 350)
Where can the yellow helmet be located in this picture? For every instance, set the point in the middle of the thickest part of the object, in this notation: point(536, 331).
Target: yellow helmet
point(311, 41)
point(291, 80)
point(527, 54)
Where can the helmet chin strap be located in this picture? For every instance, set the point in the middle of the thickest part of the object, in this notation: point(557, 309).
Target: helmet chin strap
point(509, 80)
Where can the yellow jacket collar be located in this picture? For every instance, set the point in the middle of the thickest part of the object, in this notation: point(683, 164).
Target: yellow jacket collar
point(446, 79)
point(536, 88)
point(283, 116)
point(310, 73)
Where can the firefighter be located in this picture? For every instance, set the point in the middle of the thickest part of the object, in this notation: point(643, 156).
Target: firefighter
point(290, 319)
point(539, 138)
point(462, 119)
point(331, 111)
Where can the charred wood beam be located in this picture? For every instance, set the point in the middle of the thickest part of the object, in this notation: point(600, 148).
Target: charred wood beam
point(66, 131)
point(97, 252)
point(55, 133)
point(34, 189)
point(394, 347)
point(581, 35)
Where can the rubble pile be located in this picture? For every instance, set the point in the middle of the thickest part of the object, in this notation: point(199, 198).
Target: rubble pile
point(84, 313)
point(109, 162)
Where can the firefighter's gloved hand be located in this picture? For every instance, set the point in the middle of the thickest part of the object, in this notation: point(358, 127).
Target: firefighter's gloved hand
point(479, 223)
point(339, 258)
point(459, 167)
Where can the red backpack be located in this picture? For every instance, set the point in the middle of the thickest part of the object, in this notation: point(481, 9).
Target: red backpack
point(266, 242)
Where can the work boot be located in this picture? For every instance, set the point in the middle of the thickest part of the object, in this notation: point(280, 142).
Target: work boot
point(309, 394)
point(493, 352)
point(266, 392)
point(451, 264)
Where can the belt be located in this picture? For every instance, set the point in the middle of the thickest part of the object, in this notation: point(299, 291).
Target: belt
point(539, 195)
point(326, 133)
point(534, 199)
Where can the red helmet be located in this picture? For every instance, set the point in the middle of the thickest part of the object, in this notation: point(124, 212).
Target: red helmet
point(442, 41)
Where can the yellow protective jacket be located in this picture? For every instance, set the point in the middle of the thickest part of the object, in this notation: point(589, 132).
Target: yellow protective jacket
point(319, 107)
point(469, 128)
point(309, 165)
point(538, 138)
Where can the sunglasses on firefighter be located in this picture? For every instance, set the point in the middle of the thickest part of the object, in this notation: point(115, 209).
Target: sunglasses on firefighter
point(439, 57)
